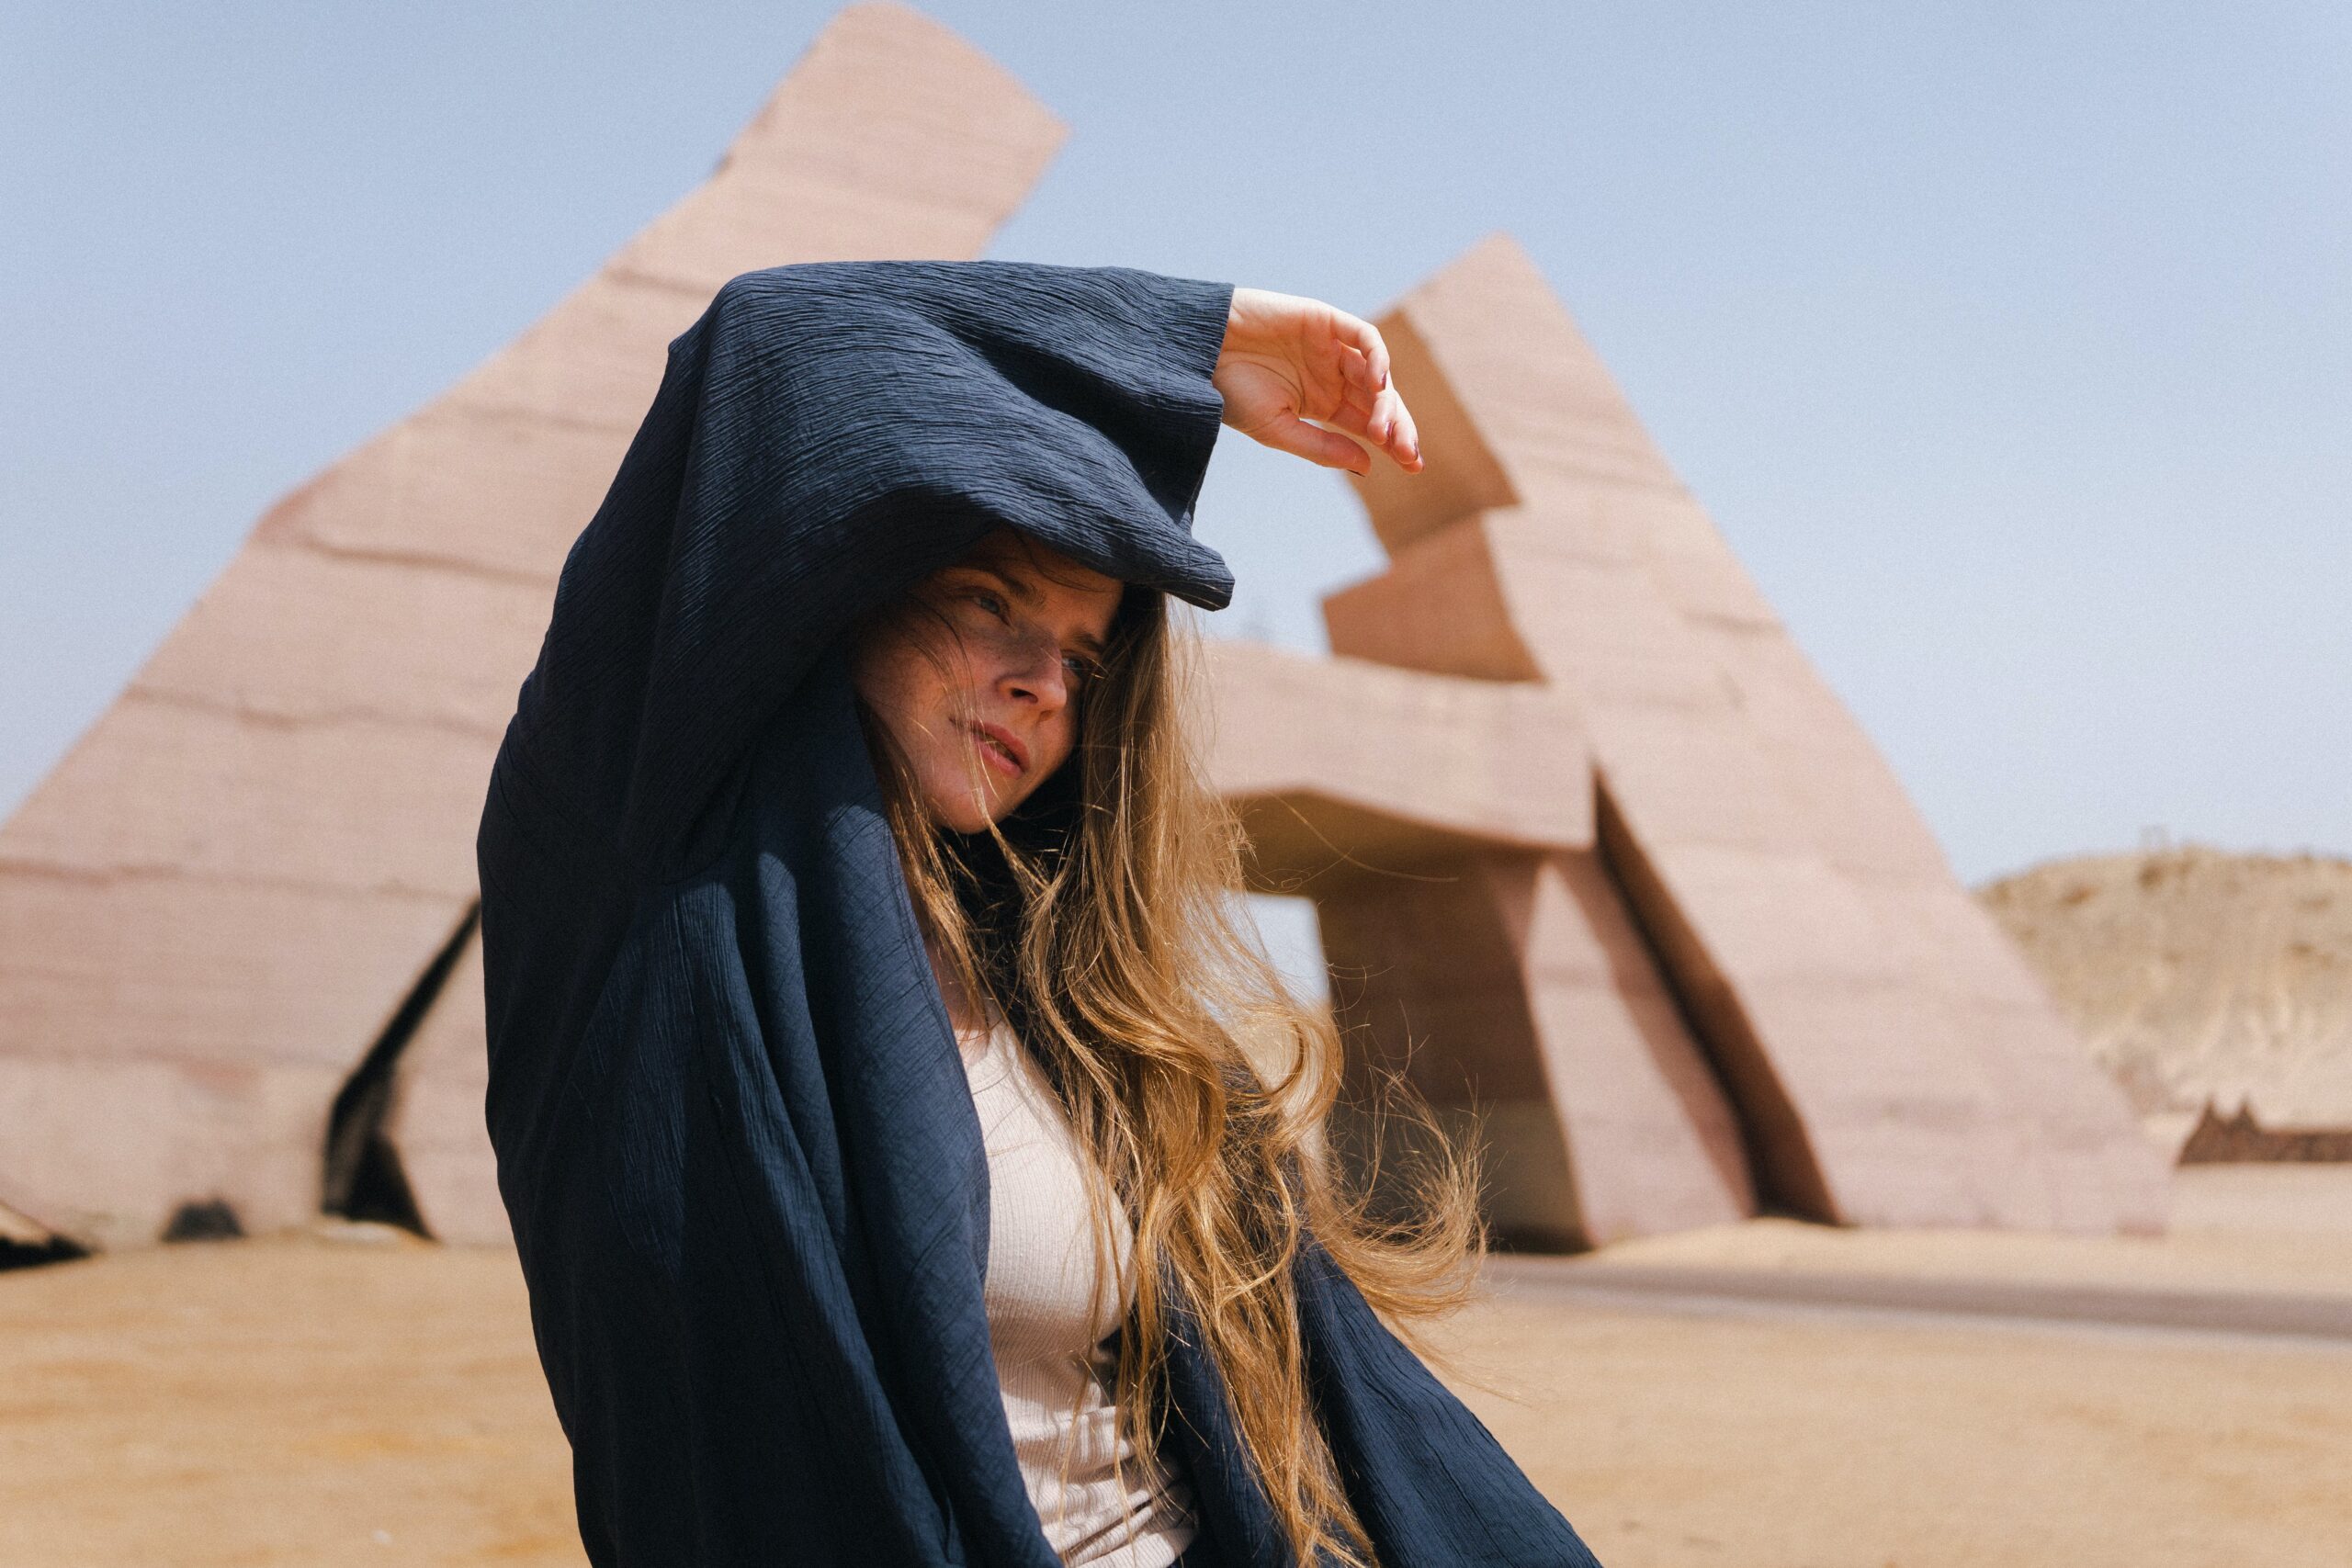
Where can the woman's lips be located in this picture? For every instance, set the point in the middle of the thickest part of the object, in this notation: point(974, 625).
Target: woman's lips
point(999, 746)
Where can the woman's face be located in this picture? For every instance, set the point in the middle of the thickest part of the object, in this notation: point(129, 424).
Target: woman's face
point(978, 679)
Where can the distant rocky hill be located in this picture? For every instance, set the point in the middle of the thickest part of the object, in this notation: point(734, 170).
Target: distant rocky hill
point(2201, 975)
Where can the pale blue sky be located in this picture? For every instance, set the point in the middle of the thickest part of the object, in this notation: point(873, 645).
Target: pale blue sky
point(2007, 343)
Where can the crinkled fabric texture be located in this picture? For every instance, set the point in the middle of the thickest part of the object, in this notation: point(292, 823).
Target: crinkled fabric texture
point(746, 1178)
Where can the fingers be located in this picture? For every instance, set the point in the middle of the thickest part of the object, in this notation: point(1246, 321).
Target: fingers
point(1391, 426)
point(1358, 381)
point(1387, 424)
point(1312, 442)
point(1368, 362)
point(1369, 399)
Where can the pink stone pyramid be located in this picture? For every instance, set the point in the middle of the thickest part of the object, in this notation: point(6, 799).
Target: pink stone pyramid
point(1601, 866)
point(223, 895)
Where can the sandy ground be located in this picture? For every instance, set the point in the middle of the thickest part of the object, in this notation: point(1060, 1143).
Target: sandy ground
point(312, 1400)
point(2260, 1229)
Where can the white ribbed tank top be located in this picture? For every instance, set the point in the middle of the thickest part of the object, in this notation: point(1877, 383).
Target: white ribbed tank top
point(1052, 1364)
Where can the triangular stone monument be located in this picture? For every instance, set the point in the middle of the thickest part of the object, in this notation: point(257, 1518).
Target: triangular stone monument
point(1599, 860)
point(1891, 1059)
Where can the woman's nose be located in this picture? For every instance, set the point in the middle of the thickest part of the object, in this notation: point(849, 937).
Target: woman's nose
point(1038, 675)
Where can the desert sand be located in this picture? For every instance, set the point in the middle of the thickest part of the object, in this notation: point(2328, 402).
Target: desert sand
point(355, 1395)
point(2197, 975)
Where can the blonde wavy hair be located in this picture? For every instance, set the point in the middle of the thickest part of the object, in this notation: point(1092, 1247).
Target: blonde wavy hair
point(1104, 921)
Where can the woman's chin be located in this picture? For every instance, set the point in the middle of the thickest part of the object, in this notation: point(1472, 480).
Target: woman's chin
point(965, 810)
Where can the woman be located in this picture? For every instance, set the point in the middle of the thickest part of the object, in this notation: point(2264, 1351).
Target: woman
point(846, 813)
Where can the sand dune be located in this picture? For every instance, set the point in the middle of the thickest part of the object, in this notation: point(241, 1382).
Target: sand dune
point(2197, 975)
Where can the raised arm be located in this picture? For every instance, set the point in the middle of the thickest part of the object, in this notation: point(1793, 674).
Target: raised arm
point(827, 433)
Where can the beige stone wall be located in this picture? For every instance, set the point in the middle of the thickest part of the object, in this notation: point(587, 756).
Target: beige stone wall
point(1893, 1060)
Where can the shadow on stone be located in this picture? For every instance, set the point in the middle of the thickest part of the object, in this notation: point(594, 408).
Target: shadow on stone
point(363, 1178)
point(208, 1219)
point(15, 1254)
point(25, 1243)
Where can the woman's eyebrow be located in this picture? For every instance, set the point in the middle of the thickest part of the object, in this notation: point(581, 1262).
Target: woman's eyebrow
point(1020, 587)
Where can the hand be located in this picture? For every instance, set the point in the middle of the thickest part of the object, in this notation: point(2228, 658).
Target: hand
point(1290, 365)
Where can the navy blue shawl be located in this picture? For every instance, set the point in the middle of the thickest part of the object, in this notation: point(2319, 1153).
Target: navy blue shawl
point(743, 1169)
